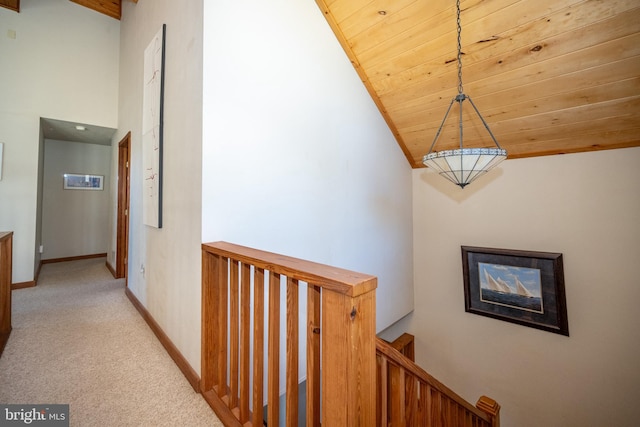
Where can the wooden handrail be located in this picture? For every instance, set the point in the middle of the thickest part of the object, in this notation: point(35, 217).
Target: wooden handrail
point(408, 395)
point(340, 338)
point(365, 381)
point(6, 243)
point(335, 279)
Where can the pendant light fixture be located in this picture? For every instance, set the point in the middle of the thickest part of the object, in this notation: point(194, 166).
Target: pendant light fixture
point(463, 165)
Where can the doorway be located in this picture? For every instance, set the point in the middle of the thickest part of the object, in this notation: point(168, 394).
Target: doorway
point(122, 244)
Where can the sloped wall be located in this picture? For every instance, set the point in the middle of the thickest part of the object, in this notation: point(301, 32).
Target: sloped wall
point(297, 158)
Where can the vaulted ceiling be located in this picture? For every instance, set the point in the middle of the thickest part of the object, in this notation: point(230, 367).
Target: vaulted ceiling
point(548, 76)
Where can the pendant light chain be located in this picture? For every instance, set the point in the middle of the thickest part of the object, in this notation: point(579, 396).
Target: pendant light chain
point(463, 165)
point(460, 90)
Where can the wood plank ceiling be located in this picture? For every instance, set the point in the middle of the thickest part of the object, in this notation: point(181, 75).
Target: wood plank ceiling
point(11, 4)
point(548, 76)
point(110, 8)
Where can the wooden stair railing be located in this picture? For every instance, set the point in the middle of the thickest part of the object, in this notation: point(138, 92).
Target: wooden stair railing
point(365, 380)
point(409, 396)
point(340, 338)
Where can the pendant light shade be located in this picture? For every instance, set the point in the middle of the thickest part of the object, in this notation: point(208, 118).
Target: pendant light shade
point(463, 165)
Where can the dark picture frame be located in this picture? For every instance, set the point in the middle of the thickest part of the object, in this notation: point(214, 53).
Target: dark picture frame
point(523, 287)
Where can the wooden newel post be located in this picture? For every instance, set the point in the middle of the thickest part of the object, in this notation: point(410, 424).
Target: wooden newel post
point(349, 357)
point(209, 322)
point(491, 408)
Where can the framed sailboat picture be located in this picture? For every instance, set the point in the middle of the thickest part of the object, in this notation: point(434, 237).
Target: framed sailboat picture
point(523, 287)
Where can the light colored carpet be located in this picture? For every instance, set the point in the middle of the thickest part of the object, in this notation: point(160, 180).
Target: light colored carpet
point(77, 340)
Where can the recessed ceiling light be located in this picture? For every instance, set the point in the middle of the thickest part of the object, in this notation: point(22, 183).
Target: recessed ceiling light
point(78, 127)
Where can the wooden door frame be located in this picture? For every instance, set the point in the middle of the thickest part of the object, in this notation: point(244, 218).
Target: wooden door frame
point(122, 231)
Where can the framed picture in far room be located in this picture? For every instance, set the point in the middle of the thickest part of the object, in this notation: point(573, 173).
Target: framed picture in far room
point(74, 181)
point(523, 287)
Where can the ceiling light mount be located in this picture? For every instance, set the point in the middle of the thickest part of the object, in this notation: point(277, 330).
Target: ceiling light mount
point(463, 165)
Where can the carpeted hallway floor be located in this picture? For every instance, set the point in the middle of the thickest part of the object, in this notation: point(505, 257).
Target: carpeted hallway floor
point(77, 340)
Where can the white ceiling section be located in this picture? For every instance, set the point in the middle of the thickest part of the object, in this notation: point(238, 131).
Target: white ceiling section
point(61, 130)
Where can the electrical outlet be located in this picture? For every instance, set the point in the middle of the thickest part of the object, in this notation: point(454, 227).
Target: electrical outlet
point(41, 249)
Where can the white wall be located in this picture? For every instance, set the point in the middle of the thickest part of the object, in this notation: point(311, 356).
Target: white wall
point(290, 123)
point(585, 206)
point(169, 288)
point(75, 222)
point(296, 158)
point(63, 64)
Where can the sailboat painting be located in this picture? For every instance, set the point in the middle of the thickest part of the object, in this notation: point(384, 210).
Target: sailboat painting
point(523, 287)
point(511, 286)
